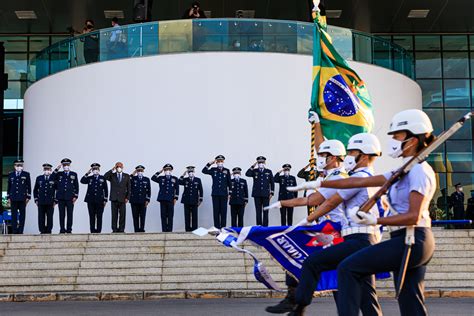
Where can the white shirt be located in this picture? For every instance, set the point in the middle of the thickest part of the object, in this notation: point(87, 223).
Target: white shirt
point(338, 213)
point(355, 197)
point(421, 178)
point(115, 34)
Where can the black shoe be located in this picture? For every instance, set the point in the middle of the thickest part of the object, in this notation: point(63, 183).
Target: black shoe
point(286, 305)
point(299, 310)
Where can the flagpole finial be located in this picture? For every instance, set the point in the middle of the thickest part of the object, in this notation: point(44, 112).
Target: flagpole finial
point(316, 5)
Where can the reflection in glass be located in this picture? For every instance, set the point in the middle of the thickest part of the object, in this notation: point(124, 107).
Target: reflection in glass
point(455, 65)
point(455, 42)
point(210, 35)
point(436, 116)
point(175, 36)
point(16, 65)
point(432, 92)
point(305, 38)
point(17, 44)
point(362, 47)
point(38, 43)
point(404, 41)
point(427, 42)
point(451, 116)
point(382, 56)
point(460, 155)
point(456, 93)
point(428, 65)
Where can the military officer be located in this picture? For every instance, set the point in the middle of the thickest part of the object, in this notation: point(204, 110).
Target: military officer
point(44, 194)
point(96, 196)
point(263, 188)
point(18, 194)
point(167, 196)
point(457, 202)
point(238, 198)
point(285, 180)
point(139, 197)
point(67, 191)
point(192, 198)
point(220, 189)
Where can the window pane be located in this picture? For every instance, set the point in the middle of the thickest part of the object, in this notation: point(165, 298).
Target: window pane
point(428, 65)
point(382, 56)
point(14, 90)
point(38, 43)
point(456, 93)
point(427, 42)
point(404, 41)
point(455, 42)
point(436, 116)
point(455, 65)
point(437, 159)
point(459, 155)
point(55, 39)
point(471, 42)
point(362, 48)
point(15, 43)
point(16, 66)
point(472, 64)
point(451, 116)
point(432, 93)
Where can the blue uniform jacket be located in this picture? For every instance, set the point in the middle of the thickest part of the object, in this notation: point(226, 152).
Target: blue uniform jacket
point(44, 191)
point(220, 180)
point(140, 190)
point(97, 189)
point(263, 184)
point(193, 192)
point(239, 192)
point(285, 181)
point(67, 185)
point(19, 187)
point(169, 187)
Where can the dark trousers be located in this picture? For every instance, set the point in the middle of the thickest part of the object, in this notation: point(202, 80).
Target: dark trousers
point(96, 210)
point(18, 209)
point(167, 214)
point(138, 214)
point(219, 207)
point(459, 213)
point(118, 216)
point(290, 281)
point(91, 55)
point(190, 217)
point(329, 259)
point(66, 209)
point(237, 215)
point(286, 214)
point(45, 218)
point(387, 256)
point(260, 203)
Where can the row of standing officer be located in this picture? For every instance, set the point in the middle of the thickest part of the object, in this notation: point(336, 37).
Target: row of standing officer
point(61, 187)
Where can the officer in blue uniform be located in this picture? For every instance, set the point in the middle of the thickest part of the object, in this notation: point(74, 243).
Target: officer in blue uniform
point(220, 189)
point(18, 194)
point(238, 198)
point(192, 198)
point(67, 191)
point(44, 194)
point(96, 196)
point(167, 196)
point(263, 188)
point(139, 197)
point(285, 180)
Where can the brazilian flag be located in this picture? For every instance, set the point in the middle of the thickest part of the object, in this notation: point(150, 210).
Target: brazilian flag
point(339, 95)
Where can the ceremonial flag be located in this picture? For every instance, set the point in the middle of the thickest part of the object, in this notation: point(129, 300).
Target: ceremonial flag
point(339, 95)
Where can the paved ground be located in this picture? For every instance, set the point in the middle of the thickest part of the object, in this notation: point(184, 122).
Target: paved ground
point(205, 307)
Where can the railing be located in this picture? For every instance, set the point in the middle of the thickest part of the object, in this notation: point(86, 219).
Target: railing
point(181, 36)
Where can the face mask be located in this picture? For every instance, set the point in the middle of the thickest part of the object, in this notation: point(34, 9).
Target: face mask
point(220, 164)
point(286, 173)
point(66, 168)
point(191, 174)
point(237, 176)
point(349, 163)
point(167, 173)
point(460, 189)
point(395, 147)
point(47, 172)
point(140, 173)
point(119, 169)
point(95, 171)
point(18, 168)
point(321, 163)
point(261, 165)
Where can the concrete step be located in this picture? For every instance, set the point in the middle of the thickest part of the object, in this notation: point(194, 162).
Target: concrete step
point(82, 244)
point(139, 264)
point(82, 258)
point(85, 251)
point(80, 272)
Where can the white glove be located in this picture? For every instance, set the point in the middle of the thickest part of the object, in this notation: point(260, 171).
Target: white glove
point(313, 117)
point(310, 185)
point(273, 206)
point(361, 217)
point(304, 222)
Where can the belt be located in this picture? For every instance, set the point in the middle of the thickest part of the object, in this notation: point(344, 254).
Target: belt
point(360, 230)
point(424, 222)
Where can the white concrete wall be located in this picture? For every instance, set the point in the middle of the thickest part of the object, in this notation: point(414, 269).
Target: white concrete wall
point(185, 109)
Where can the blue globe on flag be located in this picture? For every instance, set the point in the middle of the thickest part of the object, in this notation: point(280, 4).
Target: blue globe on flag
point(339, 98)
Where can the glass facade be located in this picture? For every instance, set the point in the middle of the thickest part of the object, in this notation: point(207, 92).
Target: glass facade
point(444, 69)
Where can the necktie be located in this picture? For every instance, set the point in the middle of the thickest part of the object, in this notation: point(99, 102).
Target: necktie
point(119, 176)
point(47, 177)
point(17, 174)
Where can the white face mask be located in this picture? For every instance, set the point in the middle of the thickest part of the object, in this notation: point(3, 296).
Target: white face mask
point(47, 172)
point(349, 163)
point(119, 169)
point(140, 173)
point(191, 174)
point(395, 149)
point(237, 176)
point(286, 173)
point(66, 168)
point(220, 164)
point(18, 168)
point(167, 173)
point(321, 163)
point(261, 165)
point(460, 189)
point(95, 171)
